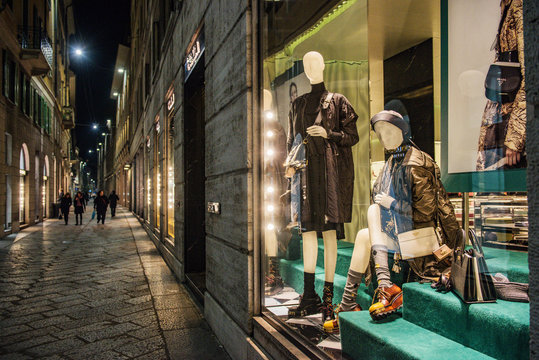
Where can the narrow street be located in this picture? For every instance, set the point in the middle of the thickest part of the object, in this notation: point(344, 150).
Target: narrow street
point(95, 292)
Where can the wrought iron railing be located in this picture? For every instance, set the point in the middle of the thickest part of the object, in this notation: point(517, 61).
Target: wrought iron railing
point(36, 39)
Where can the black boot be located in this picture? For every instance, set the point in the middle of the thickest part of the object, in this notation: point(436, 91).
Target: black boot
point(310, 302)
point(274, 282)
point(327, 305)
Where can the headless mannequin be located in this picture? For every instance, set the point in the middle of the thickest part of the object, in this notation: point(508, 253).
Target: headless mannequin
point(313, 64)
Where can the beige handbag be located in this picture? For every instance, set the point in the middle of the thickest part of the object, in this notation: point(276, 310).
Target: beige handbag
point(418, 242)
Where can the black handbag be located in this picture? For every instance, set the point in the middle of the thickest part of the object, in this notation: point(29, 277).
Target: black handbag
point(503, 81)
point(470, 277)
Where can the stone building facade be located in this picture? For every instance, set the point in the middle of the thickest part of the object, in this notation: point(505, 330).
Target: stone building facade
point(38, 156)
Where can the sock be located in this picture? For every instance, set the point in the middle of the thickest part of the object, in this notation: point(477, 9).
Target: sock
point(350, 290)
point(382, 269)
point(308, 287)
point(328, 293)
point(274, 266)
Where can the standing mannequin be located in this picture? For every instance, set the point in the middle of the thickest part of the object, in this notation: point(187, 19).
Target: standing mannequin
point(274, 177)
point(406, 197)
point(328, 184)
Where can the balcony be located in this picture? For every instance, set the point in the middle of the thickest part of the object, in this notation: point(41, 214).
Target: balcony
point(36, 49)
point(68, 118)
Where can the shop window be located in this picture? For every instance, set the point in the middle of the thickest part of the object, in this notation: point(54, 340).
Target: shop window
point(390, 123)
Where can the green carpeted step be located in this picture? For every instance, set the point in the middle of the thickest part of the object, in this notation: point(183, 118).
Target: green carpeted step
point(292, 274)
point(362, 338)
point(499, 329)
point(513, 264)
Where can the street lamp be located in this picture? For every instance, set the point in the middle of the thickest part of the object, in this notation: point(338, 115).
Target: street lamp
point(78, 51)
point(90, 151)
point(94, 127)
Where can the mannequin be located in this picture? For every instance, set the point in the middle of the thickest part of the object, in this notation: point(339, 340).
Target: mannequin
point(324, 207)
point(405, 195)
point(274, 176)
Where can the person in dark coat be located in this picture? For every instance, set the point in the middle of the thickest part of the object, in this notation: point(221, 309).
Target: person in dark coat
point(79, 207)
point(65, 204)
point(100, 205)
point(113, 199)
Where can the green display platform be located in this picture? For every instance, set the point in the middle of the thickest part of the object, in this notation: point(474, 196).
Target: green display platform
point(397, 340)
point(434, 325)
point(498, 329)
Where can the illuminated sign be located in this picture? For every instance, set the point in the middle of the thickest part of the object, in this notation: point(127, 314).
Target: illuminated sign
point(157, 124)
point(194, 54)
point(170, 102)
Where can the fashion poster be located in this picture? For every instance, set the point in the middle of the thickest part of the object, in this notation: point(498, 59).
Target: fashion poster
point(486, 96)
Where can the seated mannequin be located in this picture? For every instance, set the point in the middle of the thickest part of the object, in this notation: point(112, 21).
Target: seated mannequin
point(406, 197)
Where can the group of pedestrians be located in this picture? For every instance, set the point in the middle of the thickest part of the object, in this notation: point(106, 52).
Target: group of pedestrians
point(101, 203)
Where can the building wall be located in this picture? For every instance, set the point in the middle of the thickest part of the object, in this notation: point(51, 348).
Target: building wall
point(531, 45)
point(54, 144)
point(230, 276)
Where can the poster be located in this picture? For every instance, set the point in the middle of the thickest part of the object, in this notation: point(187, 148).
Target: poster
point(483, 135)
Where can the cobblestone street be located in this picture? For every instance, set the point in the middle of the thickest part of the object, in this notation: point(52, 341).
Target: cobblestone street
point(95, 292)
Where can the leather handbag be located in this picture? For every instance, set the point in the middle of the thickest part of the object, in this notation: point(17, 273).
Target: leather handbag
point(470, 277)
point(503, 81)
point(418, 242)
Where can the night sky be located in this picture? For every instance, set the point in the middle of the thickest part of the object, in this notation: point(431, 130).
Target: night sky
point(100, 26)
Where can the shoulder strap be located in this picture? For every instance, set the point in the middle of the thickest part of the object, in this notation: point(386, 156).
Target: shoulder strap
point(325, 105)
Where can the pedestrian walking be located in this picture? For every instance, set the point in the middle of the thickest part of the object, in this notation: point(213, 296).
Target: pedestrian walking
point(79, 207)
point(113, 199)
point(100, 205)
point(65, 204)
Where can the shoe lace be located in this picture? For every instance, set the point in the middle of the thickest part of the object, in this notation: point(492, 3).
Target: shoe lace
point(379, 294)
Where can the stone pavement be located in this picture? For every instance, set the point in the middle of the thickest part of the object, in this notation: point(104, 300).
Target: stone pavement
point(95, 292)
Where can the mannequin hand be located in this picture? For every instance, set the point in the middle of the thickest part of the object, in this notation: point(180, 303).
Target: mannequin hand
point(316, 130)
point(383, 200)
point(513, 157)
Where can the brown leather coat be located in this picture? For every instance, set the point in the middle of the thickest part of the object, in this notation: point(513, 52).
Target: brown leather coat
point(429, 201)
point(339, 120)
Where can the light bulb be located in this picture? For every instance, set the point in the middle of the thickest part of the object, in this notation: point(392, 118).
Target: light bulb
point(271, 226)
point(270, 189)
point(270, 208)
point(269, 133)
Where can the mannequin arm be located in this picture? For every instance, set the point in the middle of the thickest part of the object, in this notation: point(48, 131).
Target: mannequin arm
point(423, 193)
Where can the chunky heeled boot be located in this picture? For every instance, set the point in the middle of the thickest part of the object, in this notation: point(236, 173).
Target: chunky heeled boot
point(386, 301)
point(332, 326)
point(274, 281)
point(307, 306)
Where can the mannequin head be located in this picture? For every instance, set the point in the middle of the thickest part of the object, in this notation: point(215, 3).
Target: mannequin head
point(390, 136)
point(392, 129)
point(313, 65)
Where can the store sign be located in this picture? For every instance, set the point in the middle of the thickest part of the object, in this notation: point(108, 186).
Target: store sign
point(170, 102)
point(194, 54)
point(170, 99)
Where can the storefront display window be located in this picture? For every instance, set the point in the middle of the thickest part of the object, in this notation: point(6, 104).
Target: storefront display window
point(389, 148)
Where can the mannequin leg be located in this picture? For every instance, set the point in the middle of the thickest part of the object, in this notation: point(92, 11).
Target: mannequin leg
point(358, 266)
point(310, 251)
point(274, 282)
point(379, 246)
point(330, 254)
point(310, 301)
point(330, 262)
point(388, 296)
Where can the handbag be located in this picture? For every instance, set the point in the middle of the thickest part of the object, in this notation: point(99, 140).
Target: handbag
point(418, 242)
point(503, 81)
point(93, 214)
point(470, 277)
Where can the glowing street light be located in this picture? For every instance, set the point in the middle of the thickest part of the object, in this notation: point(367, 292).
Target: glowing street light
point(103, 134)
point(94, 126)
point(121, 70)
point(78, 52)
point(90, 151)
